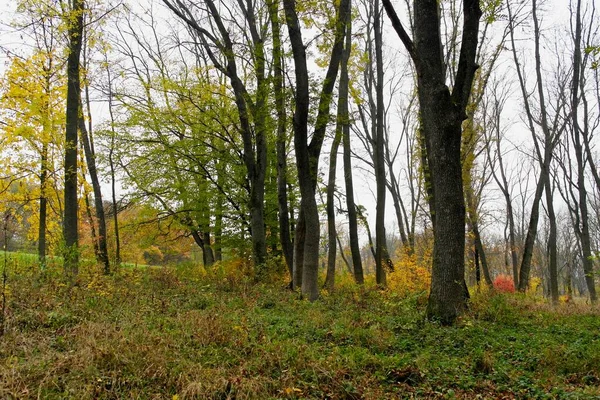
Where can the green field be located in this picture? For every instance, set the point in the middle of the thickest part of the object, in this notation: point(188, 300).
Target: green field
point(166, 333)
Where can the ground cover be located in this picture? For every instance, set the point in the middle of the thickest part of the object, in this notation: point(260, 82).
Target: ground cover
point(180, 333)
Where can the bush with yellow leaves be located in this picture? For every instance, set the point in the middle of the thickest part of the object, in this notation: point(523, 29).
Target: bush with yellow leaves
point(412, 272)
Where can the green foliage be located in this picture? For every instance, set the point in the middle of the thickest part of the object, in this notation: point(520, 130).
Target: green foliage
point(191, 333)
point(595, 52)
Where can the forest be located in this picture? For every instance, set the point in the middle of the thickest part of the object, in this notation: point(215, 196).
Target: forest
point(251, 199)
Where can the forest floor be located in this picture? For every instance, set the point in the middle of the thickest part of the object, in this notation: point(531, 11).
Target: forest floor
point(182, 333)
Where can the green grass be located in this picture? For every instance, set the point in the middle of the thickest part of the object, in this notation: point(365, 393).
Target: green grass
point(183, 333)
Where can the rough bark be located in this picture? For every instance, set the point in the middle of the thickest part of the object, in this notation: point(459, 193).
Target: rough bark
point(442, 113)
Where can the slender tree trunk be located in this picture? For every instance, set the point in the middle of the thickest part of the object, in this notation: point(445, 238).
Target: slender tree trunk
point(307, 156)
point(111, 164)
point(479, 250)
point(552, 242)
point(351, 206)
point(530, 238)
point(331, 230)
point(379, 156)
point(70, 221)
point(90, 158)
point(583, 230)
point(90, 216)
point(203, 241)
point(544, 157)
point(342, 121)
point(298, 258)
point(43, 207)
point(282, 197)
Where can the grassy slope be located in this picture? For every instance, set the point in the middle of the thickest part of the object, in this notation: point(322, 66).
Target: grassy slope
point(169, 334)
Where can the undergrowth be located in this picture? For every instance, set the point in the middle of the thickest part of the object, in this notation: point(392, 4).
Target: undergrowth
point(185, 333)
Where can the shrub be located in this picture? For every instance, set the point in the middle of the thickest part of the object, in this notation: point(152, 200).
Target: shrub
point(411, 272)
point(504, 284)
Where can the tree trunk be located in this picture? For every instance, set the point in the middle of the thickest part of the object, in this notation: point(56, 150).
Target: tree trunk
point(43, 207)
point(111, 163)
point(342, 121)
point(479, 250)
point(583, 230)
point(282, 197)
point(331, 230)
point(307, 156)
point(442, 113)
point(90, 158)
point(552, 242)
point(379, 156)
point(254, 138)
point(70, 221)
point(351, 206)
point(530, 238)
point(298, 258)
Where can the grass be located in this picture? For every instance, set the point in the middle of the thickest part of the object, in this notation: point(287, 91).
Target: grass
point(182, 333)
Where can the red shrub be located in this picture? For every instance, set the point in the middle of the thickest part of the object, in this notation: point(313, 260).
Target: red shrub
point(504, 284)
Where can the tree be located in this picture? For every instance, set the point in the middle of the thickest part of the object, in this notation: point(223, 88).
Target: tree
point(282, 169)
point(307, 154)
point(33, 88)
point(442, 112)
point(249, 110)
point(87, 141)
point(582, 230)
point(551, 128)
point(70, 221)
point(342, 122)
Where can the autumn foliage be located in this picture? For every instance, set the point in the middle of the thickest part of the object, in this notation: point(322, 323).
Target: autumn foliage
point(411, 273)
point(504, 284)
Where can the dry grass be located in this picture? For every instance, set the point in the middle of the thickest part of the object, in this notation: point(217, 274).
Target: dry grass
point(188, 334)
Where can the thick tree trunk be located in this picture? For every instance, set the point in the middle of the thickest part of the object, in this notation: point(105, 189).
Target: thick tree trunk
point(70, 220)
point(447, 298)
point(442, 114)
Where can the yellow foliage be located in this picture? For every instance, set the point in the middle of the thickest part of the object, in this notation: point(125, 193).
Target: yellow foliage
point(412, 272)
